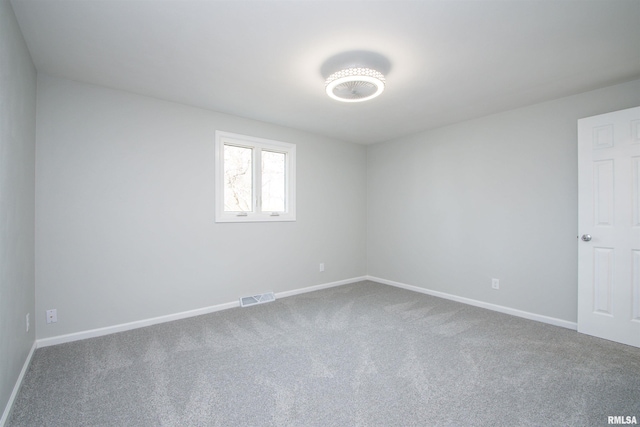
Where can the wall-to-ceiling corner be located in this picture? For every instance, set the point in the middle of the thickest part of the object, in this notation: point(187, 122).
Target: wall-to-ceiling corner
point(17, 194)
point(496, 197)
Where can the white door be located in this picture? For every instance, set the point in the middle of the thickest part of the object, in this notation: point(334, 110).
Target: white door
point(609, 226)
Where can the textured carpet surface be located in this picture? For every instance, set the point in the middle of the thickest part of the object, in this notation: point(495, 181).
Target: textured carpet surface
point(364, 354)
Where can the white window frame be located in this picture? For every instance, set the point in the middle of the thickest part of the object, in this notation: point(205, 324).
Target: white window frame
point(258, 145)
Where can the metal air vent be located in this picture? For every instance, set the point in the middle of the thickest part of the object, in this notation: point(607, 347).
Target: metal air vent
point(257, 299)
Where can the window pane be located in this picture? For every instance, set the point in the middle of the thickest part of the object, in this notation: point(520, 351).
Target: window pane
point(273, 181)
point(238, 181)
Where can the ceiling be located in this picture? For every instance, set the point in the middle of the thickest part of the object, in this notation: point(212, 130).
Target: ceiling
point(446, 61)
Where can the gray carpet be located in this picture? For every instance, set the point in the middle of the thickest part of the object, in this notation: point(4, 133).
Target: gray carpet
point(364, 354)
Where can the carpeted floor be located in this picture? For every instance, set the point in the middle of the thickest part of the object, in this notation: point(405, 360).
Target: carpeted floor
point(364, 354)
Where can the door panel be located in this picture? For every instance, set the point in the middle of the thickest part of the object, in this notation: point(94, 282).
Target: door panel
point(603, 192)
point(636, 191)
point(636, 285)
point(603, 280)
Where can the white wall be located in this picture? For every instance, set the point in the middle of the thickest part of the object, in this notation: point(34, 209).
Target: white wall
point(17, 186)
point(125, 211)
point(496, 197)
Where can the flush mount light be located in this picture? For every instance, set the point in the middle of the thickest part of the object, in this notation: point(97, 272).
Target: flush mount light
point(355, 84)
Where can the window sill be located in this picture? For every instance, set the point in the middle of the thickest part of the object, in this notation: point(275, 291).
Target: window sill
point(255, 218)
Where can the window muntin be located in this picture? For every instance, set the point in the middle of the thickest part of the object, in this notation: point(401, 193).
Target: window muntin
point(255, 179)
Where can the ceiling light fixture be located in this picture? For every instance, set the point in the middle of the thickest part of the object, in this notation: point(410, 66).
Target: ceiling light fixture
point(355, 84)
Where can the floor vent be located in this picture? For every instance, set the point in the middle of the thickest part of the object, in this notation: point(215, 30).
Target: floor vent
point(257, 299)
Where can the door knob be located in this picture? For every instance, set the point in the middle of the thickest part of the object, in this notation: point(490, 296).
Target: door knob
point(586, 237)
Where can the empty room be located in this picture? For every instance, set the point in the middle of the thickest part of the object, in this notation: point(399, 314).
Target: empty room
point(319, 213)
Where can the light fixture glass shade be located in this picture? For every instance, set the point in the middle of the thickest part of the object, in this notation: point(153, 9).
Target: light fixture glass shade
point(355, 84)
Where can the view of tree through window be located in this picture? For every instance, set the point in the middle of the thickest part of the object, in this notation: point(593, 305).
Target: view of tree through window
point(273, 181)
point(238, 179)
point(255, 179)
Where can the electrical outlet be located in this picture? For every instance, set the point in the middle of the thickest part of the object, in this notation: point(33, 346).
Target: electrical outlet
point(27, 322)
point(52, 315)
point(495, 283)
point(321, 267)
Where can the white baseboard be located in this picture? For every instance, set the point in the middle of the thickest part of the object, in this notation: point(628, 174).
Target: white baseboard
point(60, 339)
point(318, 287)
point(92, 333)
point(482, 304)
point(16, 387)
